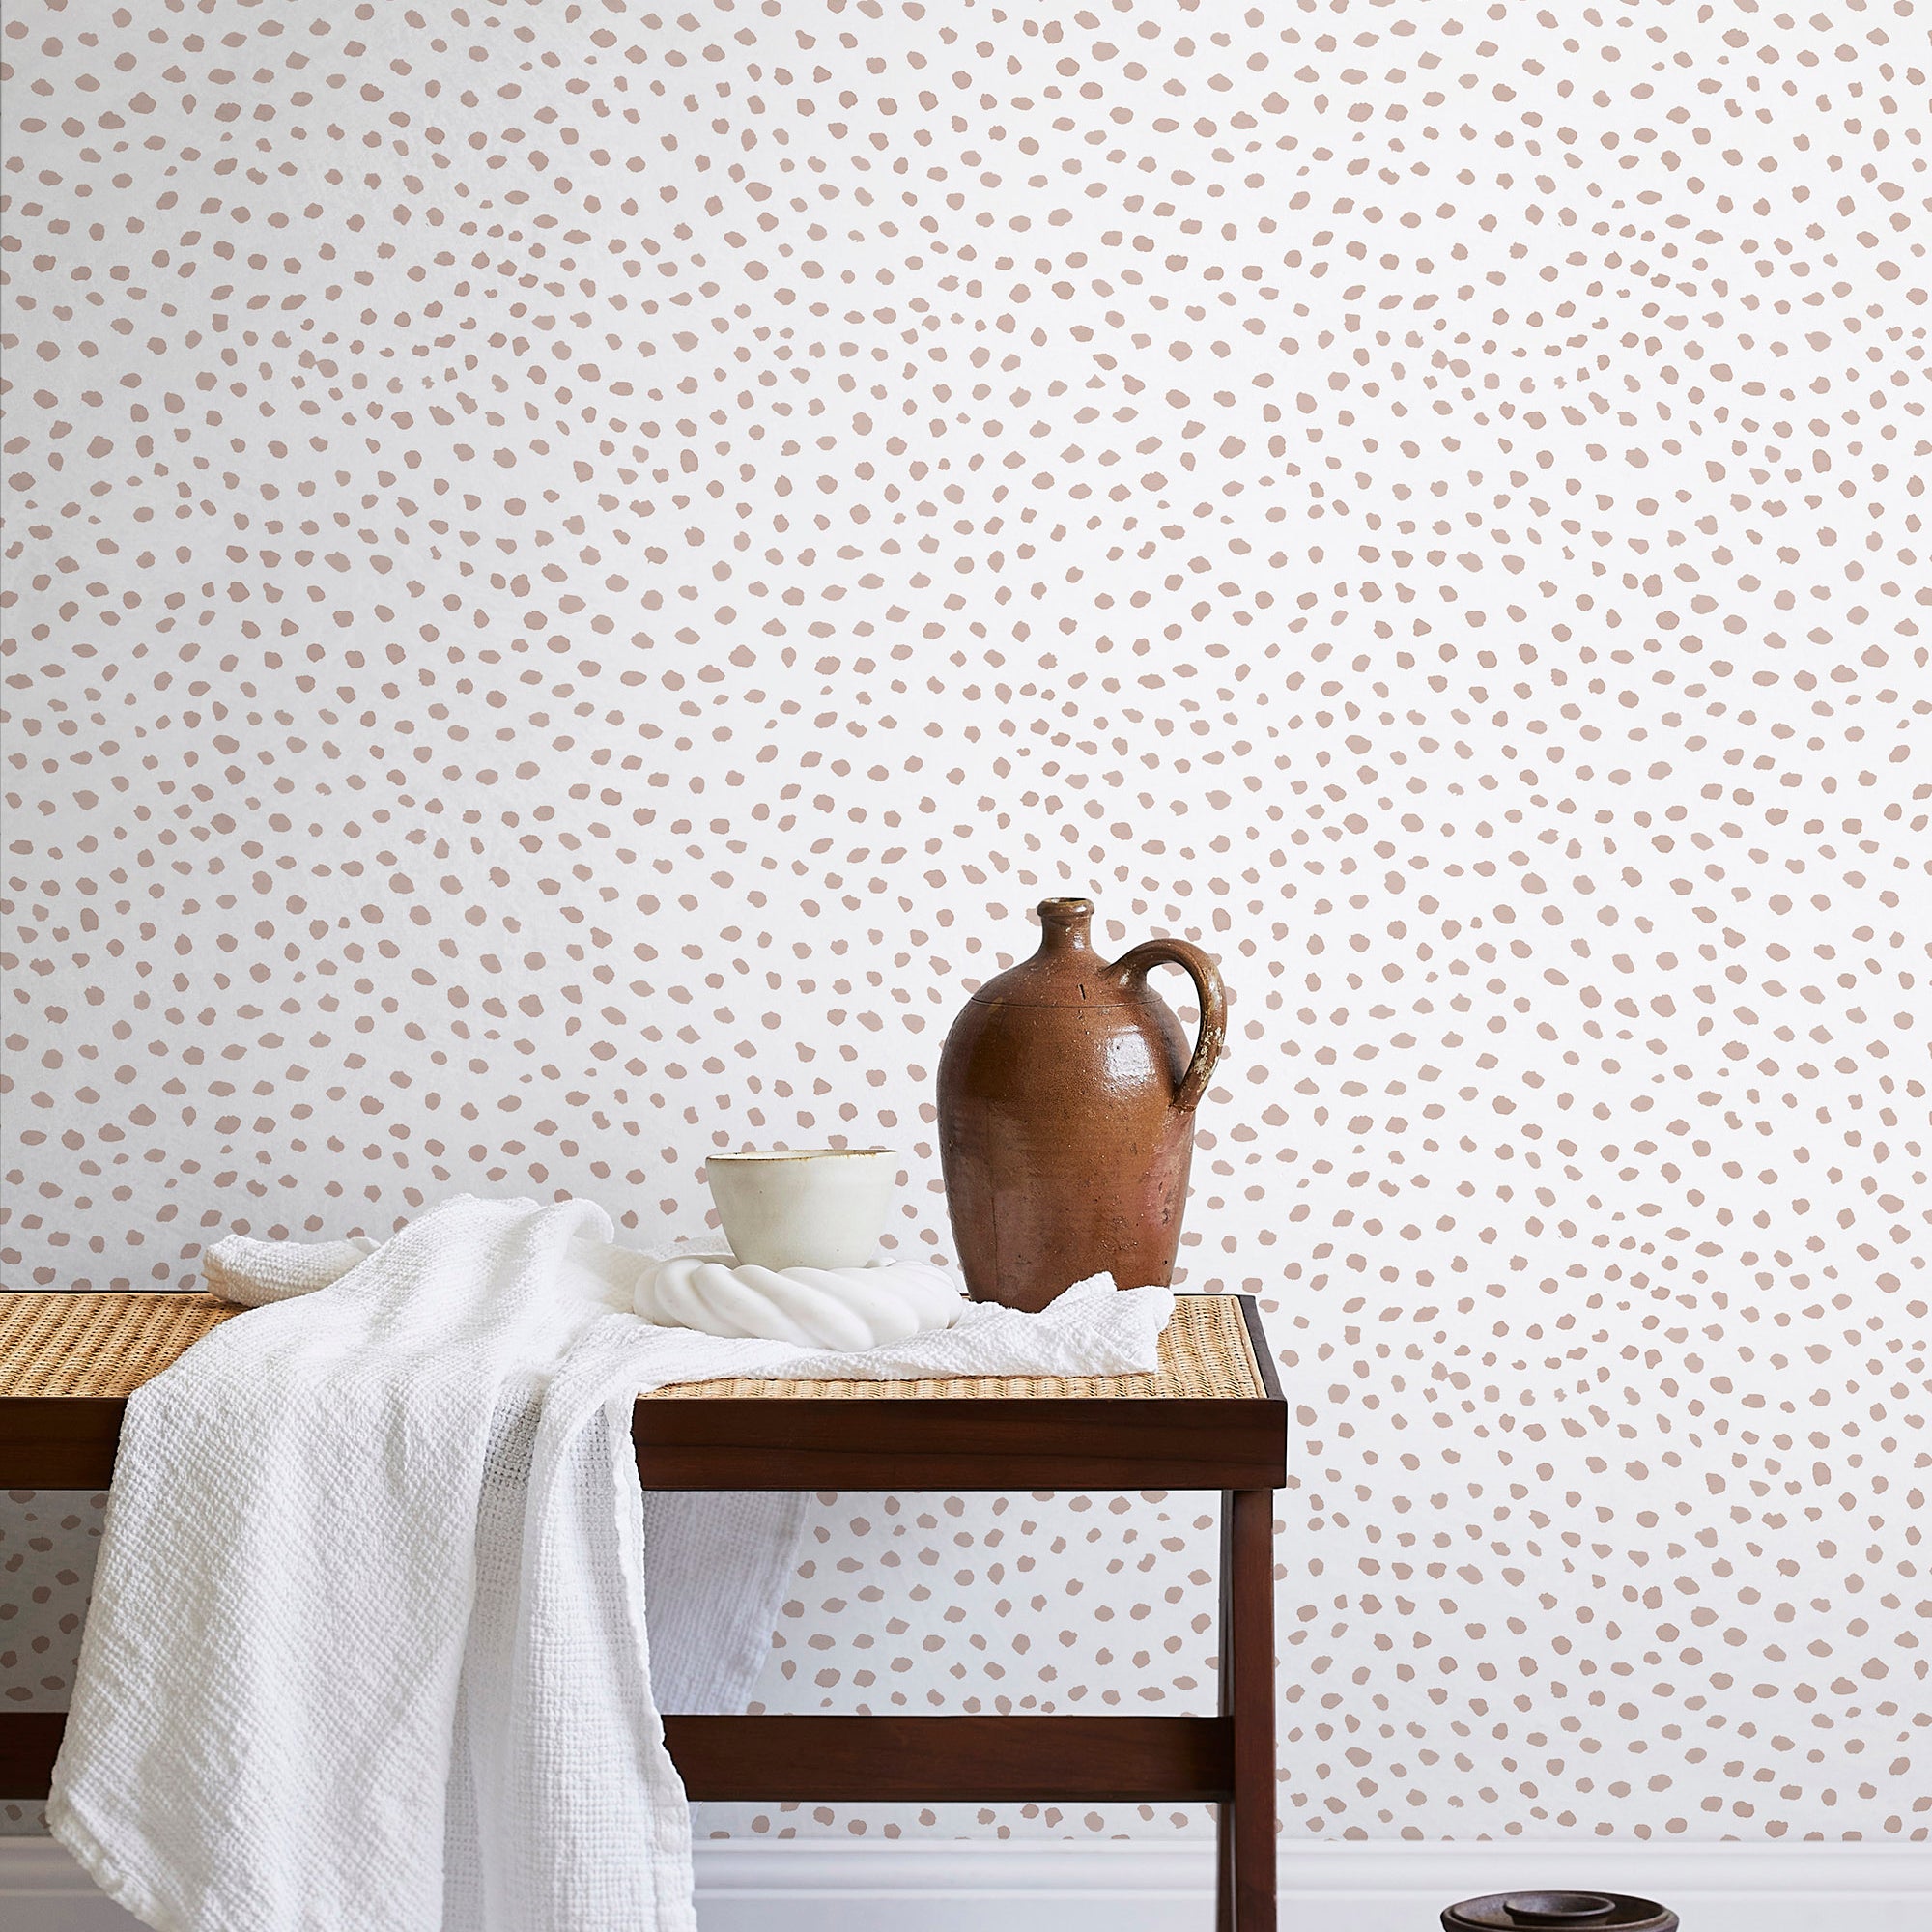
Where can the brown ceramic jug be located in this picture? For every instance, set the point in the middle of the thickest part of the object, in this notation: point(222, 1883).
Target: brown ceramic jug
point(1066, 1098)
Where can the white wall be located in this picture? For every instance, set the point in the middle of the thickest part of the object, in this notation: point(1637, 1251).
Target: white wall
point(576, 569)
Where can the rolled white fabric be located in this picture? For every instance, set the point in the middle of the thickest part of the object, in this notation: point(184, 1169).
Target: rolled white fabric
point(816, 1308)
point(709, 1291)
point(253, 1273)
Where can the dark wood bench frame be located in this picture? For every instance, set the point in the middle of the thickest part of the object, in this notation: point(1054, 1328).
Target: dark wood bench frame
point(1238, 1446)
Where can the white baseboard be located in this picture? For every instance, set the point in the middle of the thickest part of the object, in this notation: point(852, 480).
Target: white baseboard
point(812, 1885)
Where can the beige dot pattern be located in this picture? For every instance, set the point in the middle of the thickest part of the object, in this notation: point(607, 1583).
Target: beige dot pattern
point(47, 1567)
point(573, 569)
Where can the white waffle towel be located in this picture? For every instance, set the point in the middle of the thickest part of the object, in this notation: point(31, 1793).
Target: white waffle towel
point(367, 1650)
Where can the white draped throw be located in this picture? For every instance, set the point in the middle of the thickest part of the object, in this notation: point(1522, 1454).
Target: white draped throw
point(368, 1649)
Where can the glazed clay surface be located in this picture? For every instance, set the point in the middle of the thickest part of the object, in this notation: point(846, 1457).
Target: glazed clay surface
point(1066, 1101)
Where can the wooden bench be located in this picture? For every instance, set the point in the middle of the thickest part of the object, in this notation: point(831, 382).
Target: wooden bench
point(1212, 1417)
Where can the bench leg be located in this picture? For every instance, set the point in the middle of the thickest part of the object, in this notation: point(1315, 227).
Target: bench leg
point(1245, 1866)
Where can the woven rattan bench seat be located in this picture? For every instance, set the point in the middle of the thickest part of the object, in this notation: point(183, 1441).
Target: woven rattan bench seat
point(1208, 1418)
point(108, 1344)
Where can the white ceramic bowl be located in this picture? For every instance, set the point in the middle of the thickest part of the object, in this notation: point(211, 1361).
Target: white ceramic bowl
point(821, 1207)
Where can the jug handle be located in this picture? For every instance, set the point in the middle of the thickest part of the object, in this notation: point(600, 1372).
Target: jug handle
point(1208, 990)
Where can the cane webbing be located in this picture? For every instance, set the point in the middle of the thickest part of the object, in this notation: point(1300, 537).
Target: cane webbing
point(108, 1344)
point(105, 1344)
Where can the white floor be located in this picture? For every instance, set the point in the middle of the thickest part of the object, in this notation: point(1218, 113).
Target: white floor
point(809, 1886)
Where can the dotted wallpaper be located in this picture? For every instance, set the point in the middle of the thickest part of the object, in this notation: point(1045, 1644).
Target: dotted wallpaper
point(574, 570)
